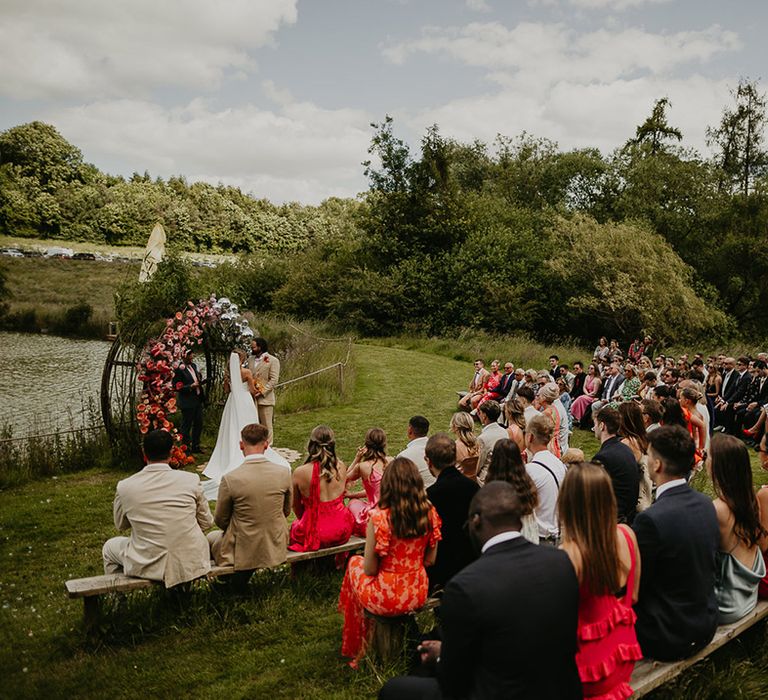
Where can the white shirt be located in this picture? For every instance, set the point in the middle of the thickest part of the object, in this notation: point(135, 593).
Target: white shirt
point(530, 412)
point(269, 455)
point(501, 537)
point(415, 452)
point(546, 511)
point(669, 485)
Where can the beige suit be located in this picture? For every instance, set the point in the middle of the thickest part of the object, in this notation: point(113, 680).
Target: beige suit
point(266, 371)
point(253, 503)
point(167, 513)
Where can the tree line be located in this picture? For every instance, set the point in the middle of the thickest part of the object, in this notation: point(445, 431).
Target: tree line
point(517, 235)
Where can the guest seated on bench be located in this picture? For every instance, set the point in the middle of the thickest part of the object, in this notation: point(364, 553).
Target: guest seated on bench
point(740, 564)
point(251, 509)
point(390, 579)
point(167, 513)
point(678, 537)
point(451, 495)
point(319, 487)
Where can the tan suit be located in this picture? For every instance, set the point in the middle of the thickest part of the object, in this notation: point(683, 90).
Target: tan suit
point(478, 380)
point(251, 509)
point(167, 513)
point(266, 371)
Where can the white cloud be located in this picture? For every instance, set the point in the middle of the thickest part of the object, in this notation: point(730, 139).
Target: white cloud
point(93, 48)
point(478, 5)
point(298, 151)
point(554, 52)
point(580, 89)
point(613, 4)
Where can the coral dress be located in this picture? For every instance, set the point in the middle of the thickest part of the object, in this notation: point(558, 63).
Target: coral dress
point(361, 507)
point(319, 523)
point(491, 388)
point(400, 585)
point(607, 642)
point(554, 443)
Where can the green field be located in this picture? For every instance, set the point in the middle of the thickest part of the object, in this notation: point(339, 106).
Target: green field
point(282, 641)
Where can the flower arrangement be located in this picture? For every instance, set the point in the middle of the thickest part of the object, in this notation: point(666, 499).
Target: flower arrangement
point(161, 357)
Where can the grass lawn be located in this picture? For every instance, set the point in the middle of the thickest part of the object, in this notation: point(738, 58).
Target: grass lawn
point(51, 285)
point(283, 641)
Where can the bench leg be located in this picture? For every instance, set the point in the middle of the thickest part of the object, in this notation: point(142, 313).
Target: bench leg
point(390, 637)
point(91, 614)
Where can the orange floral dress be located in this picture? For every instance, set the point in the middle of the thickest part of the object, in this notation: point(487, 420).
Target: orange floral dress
point(400, 585)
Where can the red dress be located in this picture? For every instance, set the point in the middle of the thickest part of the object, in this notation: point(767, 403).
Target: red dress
point(399, 586)
point(319, 523)
point(607, 643)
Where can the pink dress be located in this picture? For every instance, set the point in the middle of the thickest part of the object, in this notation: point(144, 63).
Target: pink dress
point(607, 643)
point(320, 524)
point(360, 507)
point(583, 402)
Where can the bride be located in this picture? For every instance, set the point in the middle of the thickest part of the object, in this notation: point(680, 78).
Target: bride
point(239, 411)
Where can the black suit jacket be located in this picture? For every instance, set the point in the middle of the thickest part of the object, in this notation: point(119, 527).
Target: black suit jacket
point(578, 385)
point(509, 626)
point(624, 471)
point(606, 395)
point(737, 387)
point(187, 397)
point(505, 385)
point(451, 495)
point(676, 610)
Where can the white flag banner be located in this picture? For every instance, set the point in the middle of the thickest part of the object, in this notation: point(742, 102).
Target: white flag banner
point(153, 254)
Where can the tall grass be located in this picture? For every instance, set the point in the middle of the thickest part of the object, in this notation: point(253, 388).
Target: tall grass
point(52, 453)
point(304, 348)
point(469, 345)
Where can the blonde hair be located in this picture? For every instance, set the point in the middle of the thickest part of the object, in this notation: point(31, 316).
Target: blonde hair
point(463, 426)
point(515, 413)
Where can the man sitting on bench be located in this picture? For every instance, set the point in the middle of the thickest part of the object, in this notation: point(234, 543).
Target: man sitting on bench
point(251, 510)
point(678, 537)
point(167, 513)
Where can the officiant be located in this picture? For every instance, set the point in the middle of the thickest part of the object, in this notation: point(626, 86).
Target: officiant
point(266, 375)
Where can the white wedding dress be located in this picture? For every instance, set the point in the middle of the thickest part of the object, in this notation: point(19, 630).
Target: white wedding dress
point(239, 411)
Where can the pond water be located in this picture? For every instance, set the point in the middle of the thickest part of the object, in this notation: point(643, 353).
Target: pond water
point(48, 382)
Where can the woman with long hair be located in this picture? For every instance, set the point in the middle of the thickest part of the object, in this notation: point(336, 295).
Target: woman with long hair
point(463, 427)
point(515, 414)
point(368, 465)
point(593, 387)
point(740, 563)
point(319, 486)
point(633, 435)
point(401, 539)
point(507, 465)
point(606, 559)
point(629, 388)
point(547, 395)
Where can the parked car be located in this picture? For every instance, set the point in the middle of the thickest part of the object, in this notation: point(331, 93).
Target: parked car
point(33, 253)
point(59, 253)
point(12, 252)
point(84, 256)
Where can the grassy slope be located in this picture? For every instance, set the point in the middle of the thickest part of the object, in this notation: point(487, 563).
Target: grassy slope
point(282, 643)
point(53, 285)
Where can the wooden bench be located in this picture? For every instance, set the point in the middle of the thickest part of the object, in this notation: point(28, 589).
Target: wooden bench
point(92, 588)
point(649, 674)
point(388, 634)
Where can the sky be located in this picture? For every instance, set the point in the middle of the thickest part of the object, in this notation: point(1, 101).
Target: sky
point(277, 97)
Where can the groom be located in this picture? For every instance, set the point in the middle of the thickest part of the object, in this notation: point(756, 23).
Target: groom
point(266, 374)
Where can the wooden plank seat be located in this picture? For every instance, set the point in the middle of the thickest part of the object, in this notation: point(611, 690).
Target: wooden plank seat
point(649, 674)
point(91, 588)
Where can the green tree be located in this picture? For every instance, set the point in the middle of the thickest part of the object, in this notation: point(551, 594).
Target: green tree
point(39, 151)
point(654, 133)
point(624, 279)
point(738, 139)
